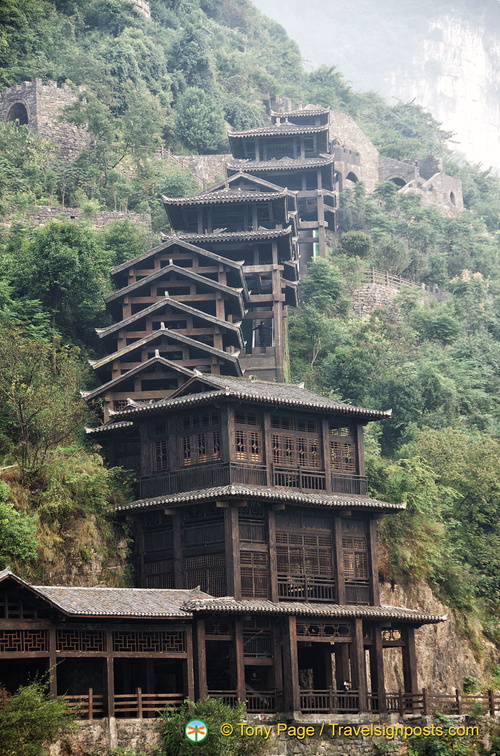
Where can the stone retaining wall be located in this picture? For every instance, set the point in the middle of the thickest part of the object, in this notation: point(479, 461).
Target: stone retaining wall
point(100, 219)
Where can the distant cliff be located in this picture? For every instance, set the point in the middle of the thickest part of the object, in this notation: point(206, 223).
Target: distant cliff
point(444, 54)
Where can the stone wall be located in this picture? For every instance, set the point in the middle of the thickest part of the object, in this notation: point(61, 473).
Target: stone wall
point(44, 104)
point(349, 135)
point(41, 215)
point(370, 297)
point(441, 191)
point(309, 735)
point(207, 169)
point(143, 7)
point(390, 169)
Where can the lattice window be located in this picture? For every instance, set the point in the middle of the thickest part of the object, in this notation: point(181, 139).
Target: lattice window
point(254, 574)
point(253, 523)
point(343, 456)
point(160, 455)
point(24, 640)
point(247, 417)
point(201, 448)
point(141, 641)
point(219, 629)
point(257, 638)
point(158, 540)
point(160, 574)
point(203, 420)
point(207, 571)
point(201, 513)
point(80, 640)
point(355, 558)
point(350, 525)
point(304, 554)
point(336, 429)
point(120, 404)
point(12, 607)
point(392, 635)
point(248, 445)
point(297, 423)
point(205, 534)
point(296, 451)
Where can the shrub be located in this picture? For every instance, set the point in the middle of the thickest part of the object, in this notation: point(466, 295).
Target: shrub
point(214, 712)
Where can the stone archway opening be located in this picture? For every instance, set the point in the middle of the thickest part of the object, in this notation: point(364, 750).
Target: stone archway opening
point(452, 198)
point(352, 177)
point(18, 113)
point(398, 181)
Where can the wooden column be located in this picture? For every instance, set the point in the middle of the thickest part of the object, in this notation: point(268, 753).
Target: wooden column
point(277, 635)
point(342, 671)
point(291, 666)
point(201, 659)
point(409, 660)
point(273, 561)
point(358, 666)
point(110, 675)
point(189, 690)
point(377, 668)
point(268, 448)
point(232, 547)
point(374, 562)
point(179, 571)
point(239, 659)
point(52, 663)
point(360, 450)
point(327, 458)
point(339, 561)
point(146, 448)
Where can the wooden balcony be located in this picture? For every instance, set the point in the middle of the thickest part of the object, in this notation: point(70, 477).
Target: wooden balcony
point(223, 474)
point(357, 592)
point(327, 701)
point(305, 588)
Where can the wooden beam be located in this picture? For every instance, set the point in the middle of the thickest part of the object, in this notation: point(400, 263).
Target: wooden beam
point(291, 666)
point(189, 689)
point(239, 659)
point(327, 459)
point(339, 561)
point(358, 665)
point(372, 532)
point(377, 668)
point(201, 659)
point(232, 548)
point(53, 663)
point(342, 671)
point(110, 675)
point(409, 660)
point(273, 561)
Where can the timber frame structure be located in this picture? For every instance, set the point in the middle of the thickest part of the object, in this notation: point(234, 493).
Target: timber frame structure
point(255, 543)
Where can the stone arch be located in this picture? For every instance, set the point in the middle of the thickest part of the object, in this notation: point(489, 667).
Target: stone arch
point(18, 112)
point(352, 177)
point(398, 181)
point(452, 198)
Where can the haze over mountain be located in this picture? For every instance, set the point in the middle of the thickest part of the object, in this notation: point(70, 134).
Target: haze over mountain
point(444, 55)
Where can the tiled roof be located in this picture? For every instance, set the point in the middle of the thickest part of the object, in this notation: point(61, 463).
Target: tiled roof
point(232, 358)
point(265, 233)
point(288, 164)
point(228, 604)
point(181, 271)
point(170, 241)
point(177, 305)
point(227, 182)
point(144, 366)
point(121, 602)
point(109, 427)
point(308, 110)
point(283, 129)
point(224, 196)
point(261, 492)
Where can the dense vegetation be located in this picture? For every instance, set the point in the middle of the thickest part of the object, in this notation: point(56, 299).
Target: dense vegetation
point(176, 82)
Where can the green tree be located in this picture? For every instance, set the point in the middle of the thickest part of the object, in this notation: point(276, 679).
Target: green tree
point(64, 266)
point(356, 243)
point(214, 712)
point(17, 532)
point(199, 121)
point(40, 407)
point(30, 720)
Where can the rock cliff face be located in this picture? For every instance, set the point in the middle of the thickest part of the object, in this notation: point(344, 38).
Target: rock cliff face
point(444, 658)
point(444, 54)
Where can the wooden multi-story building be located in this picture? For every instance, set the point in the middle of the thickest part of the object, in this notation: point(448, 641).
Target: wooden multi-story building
point(250, 220)
point(294, 152)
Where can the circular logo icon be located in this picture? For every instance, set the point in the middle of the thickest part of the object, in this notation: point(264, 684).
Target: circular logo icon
point(196, 730)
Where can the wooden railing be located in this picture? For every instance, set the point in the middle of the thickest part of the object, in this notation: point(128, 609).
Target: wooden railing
point(202, 476)
point(357, 593)
point(387, 279)
point(349, 484)
point(326, 701)
point(305, 588)
point(88, 705)
point(223, 474)
point(140, 705)
point(299, 478)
